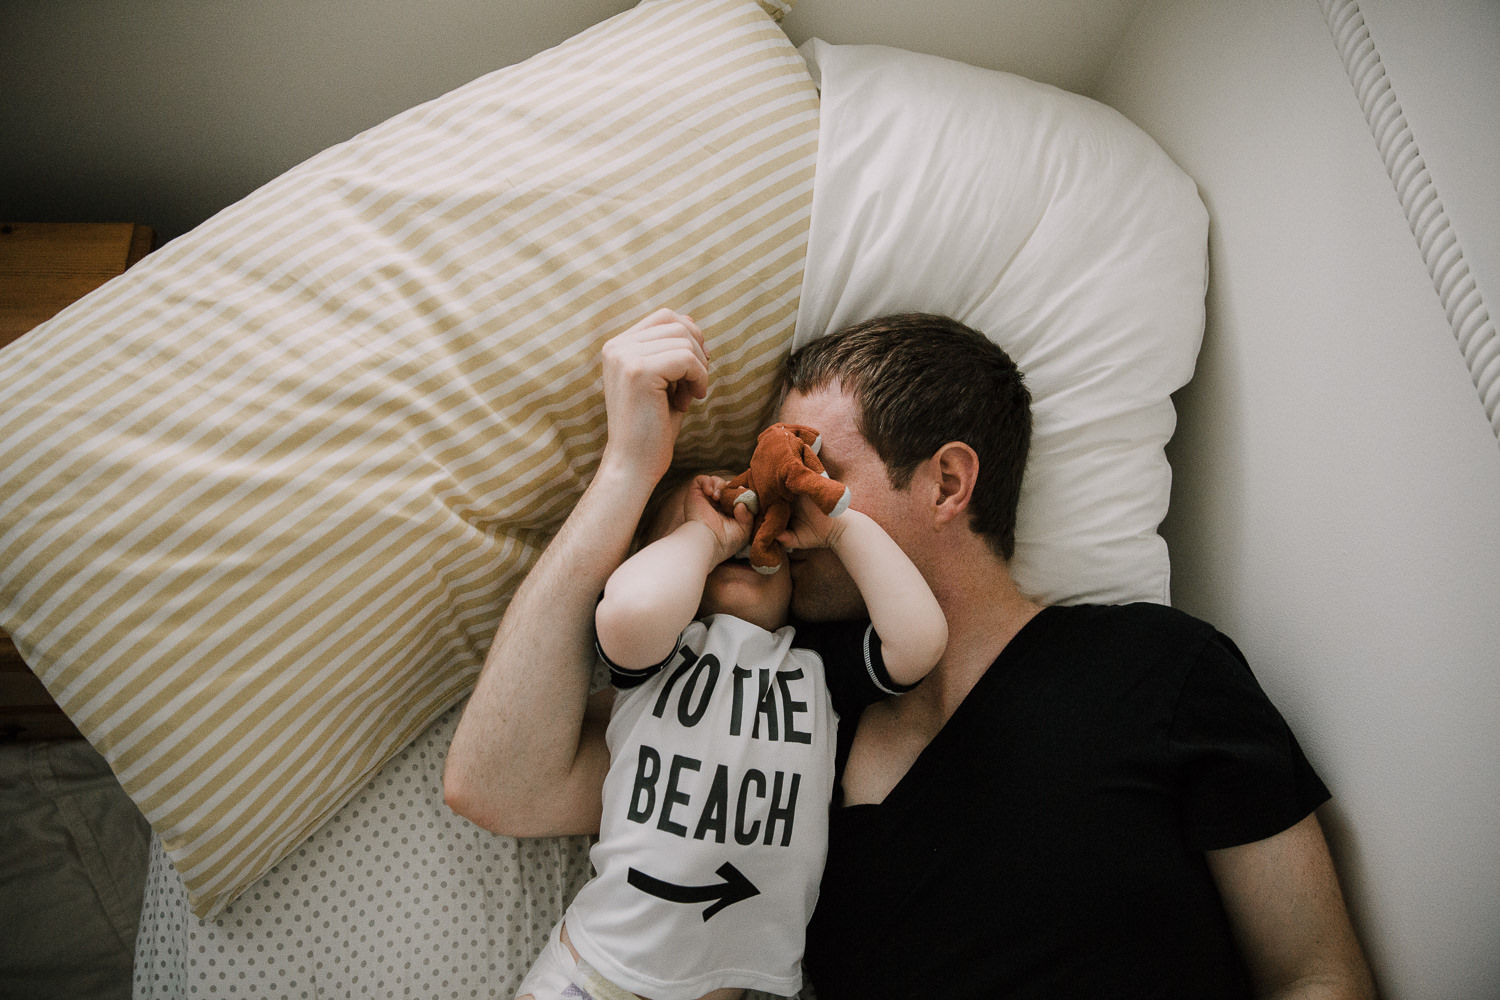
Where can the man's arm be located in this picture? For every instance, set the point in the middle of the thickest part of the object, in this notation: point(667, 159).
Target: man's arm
point(1288, 914)
point(528, 757)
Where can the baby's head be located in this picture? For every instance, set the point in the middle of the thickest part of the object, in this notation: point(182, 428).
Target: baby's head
point(733, 587)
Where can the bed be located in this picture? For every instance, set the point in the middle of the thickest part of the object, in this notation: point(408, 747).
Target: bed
point(270, 490)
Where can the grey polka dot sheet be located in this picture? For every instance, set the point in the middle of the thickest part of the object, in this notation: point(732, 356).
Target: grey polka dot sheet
point(395, 896)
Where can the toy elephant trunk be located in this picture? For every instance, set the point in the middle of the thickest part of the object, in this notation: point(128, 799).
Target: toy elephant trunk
point(784, 466)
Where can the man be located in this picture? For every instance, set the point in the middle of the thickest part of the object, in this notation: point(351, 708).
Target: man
point(1076, 802)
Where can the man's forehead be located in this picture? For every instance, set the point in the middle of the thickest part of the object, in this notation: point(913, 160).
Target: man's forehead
point(828, 404)
point(833, 414)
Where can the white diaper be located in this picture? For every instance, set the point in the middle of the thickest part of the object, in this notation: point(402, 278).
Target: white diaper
point(557, 975)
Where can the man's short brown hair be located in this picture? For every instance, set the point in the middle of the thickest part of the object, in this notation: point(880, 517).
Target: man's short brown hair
point(920, 381)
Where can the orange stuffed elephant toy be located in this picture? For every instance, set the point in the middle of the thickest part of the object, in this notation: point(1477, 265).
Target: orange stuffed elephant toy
point(784, 466)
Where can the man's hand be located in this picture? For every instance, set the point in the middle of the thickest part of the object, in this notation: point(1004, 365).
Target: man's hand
point(652, 373)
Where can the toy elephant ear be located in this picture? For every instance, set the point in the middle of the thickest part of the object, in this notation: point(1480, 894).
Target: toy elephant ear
point(809, 436)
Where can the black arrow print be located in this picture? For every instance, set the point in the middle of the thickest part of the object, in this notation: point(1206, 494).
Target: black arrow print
point(734, 888)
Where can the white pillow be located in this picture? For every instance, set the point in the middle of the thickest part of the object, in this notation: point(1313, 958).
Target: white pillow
point(1061, 230)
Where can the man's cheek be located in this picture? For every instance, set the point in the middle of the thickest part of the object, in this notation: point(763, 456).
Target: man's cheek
point(823, 591)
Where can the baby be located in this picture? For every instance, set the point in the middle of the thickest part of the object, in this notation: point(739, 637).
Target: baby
point(722, 743)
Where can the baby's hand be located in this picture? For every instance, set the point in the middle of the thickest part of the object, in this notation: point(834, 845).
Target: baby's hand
point(733, 533)
point(810, 528)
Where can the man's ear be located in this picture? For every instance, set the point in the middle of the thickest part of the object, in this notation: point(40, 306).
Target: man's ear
point(955, 469)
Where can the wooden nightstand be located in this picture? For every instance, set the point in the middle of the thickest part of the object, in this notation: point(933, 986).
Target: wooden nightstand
point(44, 267)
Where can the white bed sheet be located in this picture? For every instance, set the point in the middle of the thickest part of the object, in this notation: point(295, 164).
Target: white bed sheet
point(395, 896)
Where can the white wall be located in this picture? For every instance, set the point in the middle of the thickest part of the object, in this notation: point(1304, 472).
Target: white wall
point(1337, 482)
point(1444, 60)
point(1067, 43)
point(164, 111)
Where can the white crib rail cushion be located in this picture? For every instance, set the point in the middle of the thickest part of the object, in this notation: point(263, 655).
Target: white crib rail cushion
point(266, 495)
point(1058, 228)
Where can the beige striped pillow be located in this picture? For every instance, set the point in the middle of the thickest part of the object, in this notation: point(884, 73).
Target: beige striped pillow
point(266, 495)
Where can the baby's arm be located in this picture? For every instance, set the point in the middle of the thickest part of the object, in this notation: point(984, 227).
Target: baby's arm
point(913, 632)
point(655, 593)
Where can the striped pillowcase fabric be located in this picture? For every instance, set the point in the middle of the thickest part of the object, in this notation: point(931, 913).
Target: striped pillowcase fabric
point(267, 494)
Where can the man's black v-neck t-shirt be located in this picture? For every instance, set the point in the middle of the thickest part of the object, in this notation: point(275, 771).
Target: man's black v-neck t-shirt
point(1049, 841)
